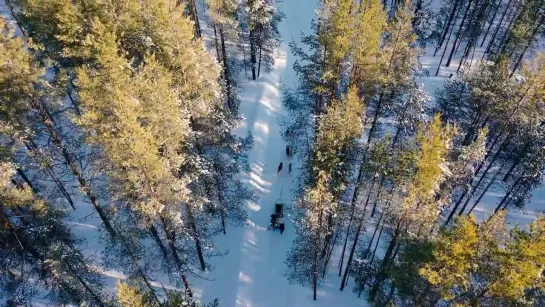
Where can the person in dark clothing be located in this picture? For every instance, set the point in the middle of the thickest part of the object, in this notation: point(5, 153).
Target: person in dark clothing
point(289, 168)
point(274, 220)
point(281, 224)
point(288, 151)
point(280, 168)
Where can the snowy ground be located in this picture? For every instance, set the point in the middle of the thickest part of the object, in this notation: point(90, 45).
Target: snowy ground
point(251, 274)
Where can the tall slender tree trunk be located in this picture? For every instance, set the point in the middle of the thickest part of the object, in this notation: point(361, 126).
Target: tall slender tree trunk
point(453, 12)
point(491, 43)
point(528, 44)
point(74, 102)
point(375, 118)
point(496, 10)
point(33, 148)
point(195, 17)
point(372, 257)
point(329, 252)
point(352, 251)
point(488, 186)
point(516, 163)
point(446, 46)
point(459, 34)
point(474, 33)
point(46, 121)
point(473, 188)
point(385, 263)
point(356, 237)
point(216, 43)
point(171, 238)
point(87, 190)
point(259, 65)
point(375, 203)
point(198, 244)
point(23, 176)
point(93, 294)
point(315, 271)
point(368, 249)
point(352, 210)
point(506, 38)
point(228, 86)
point(505, 200)
point(253, 54)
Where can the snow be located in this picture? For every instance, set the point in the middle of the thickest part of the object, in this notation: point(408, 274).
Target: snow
point(251, 274)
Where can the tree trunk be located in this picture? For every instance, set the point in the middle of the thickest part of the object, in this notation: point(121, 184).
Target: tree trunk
point(314, 286)
point(253, 55)
point(490, 23)
point(459, 34)
point(536, 29)
point(46, 121)
point(504, 41)
point(259, 65)
point(378, 195)
point(228, 87)
point(351, 255)
point(417, 9)
point(223, 222)
point(474, 33)
point(516, 162)
point(356, 238)
point(385, 263)
point(317, 254)
point(352, 210)
point(505, 201)
point(28, 248)
point(95, 296)
point(483, 176)
point(483, 192)
point(453, 12)
point(73, 101)
point(23, 176)
point(170, 235)
point(375, 118)
point(490, 44)
point(195, 17)
point(196, 237)
point(33, 148)
point(330, 251)
point(446, 46)
point(216, 44)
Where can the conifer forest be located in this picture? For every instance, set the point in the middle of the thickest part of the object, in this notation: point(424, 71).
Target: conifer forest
point(292, 153)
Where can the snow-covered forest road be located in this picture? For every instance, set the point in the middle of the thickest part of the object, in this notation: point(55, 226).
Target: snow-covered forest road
point(251, 274)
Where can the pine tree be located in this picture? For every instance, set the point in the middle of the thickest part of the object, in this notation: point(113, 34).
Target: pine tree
point(129, 296)
point(476, 263)
point(150, 32)
point(40, 255)
point(223, 14)
point(263, 36)
point(416, 210)
point(526, 27)
point(462, 169)
point(365, 49)
point(401, 62)
point(304, 260)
